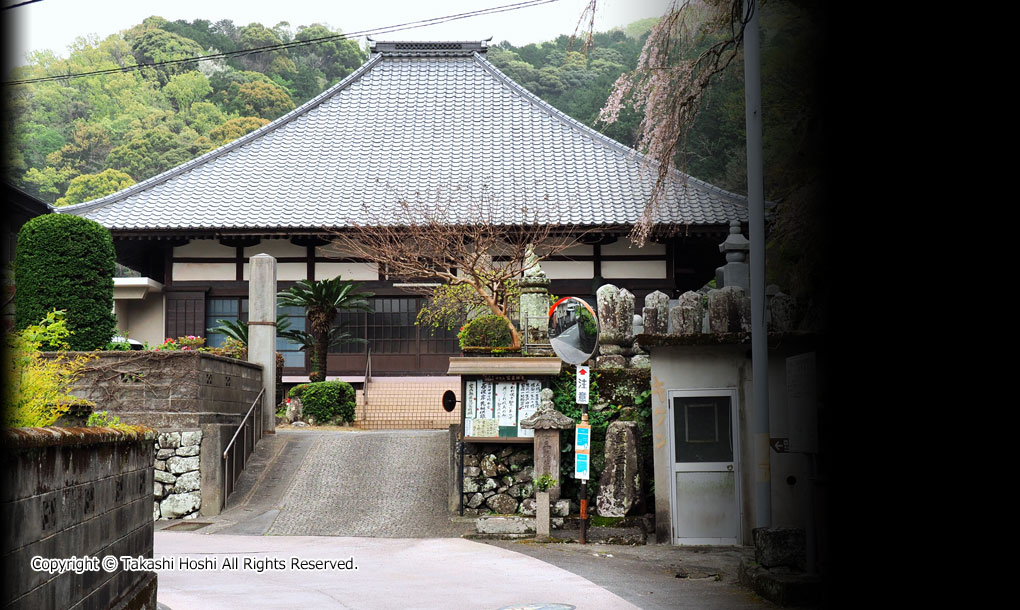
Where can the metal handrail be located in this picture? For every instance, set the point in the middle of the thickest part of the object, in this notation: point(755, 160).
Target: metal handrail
point(243, 420)
point(255, 436)
point(364, 392)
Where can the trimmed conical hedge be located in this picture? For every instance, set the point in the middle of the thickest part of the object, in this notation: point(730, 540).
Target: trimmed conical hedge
point(66, 262)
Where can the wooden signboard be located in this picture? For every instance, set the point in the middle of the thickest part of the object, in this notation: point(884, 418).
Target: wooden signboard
point(495, 408)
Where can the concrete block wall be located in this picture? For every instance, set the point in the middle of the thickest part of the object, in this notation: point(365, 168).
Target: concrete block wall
point(178, 392)
point(170, 390)
point(76, 492)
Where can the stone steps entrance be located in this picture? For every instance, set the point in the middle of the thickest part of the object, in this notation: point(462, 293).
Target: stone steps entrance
point(407, 403)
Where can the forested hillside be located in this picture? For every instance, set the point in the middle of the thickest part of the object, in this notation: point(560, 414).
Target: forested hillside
point(77, 139)
point(73, 140)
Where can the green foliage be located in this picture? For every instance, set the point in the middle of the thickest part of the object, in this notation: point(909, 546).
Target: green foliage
point(117, 346)
point(326, 400)
point(156, 45)
point(186, 89)
point(265, 100)
point(485, 331)
point(322, 301)
point(67, 262)
point(564, 391)
point(450, 306)
point(87, 187)
point(587, 321)
point(100, 419)
point(231, 348)
point(235, 128)
point(190, 343)
point(38, 390)
point(238, 329)
point(297, 390)
point(544, 482)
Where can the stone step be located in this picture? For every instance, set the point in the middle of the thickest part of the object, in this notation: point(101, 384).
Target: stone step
point(407, 402)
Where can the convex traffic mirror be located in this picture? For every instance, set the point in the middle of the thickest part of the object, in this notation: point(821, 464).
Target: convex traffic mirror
point(573, 330)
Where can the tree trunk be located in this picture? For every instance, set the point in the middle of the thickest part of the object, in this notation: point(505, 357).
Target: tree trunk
point(321, 353)
point(515, 337)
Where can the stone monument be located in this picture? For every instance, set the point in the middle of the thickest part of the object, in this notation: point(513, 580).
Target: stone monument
point(535, 305)
point(547, 423)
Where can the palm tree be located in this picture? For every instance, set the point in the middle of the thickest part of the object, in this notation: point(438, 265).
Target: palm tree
point(238, 329)
point(323, 300)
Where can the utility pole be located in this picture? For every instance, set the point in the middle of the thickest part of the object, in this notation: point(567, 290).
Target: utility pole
point(756, 211)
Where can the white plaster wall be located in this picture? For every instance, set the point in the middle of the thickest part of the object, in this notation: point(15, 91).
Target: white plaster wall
point(204, 271)
point(275, 247)
point(332, 250)
point(712, 367)
point(717, 367)
point(568, 270)
point(285, 271)
point(204, 248)
point(347, 271)
point(576, 250)
point(622, 247)
point(142, 319)
point(634, 269)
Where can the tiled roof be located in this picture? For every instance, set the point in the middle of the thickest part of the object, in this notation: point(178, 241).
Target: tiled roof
point(412, 124)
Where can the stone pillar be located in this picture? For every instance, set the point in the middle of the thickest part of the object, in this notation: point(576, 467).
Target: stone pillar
point(656, 313)
point(547, 423)
point(736, 272)
point(619, 487)
point(262, 330)
point(534, 287)
point(687, 317)
point(547, 458)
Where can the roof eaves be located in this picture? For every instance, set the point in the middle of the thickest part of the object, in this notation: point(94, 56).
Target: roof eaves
point(213, 154)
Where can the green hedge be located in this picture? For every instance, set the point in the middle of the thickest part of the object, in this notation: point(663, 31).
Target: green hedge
point(66, 262)
point(325, 400)
point(485, 331)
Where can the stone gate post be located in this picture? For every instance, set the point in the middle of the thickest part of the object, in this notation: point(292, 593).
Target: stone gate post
point(262, 330)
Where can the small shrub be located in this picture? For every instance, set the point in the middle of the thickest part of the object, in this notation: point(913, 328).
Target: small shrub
point(38, 390)
point(188, 343)
point(101, 419)
point(66, 262)
point(296, 391)
point(544, 482)
point(326, 400)
point(485, 331)
point(231, 348)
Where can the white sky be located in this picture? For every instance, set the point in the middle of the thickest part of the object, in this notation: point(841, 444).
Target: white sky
point(54, 24)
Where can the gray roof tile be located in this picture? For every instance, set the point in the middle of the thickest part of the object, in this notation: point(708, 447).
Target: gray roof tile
point(441, 126)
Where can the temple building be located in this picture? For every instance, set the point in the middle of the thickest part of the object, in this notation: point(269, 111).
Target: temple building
point(432, 121)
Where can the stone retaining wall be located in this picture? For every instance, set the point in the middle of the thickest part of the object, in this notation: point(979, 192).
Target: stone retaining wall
point(178, 479)
point(179, 391)
point(498, 478)
point(76, 492)
point(170, 390)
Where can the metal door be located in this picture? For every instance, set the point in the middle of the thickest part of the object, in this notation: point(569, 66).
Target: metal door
point(704, 479)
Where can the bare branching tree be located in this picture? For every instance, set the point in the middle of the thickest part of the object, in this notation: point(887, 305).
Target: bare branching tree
point(487, 247)
point(670, 82)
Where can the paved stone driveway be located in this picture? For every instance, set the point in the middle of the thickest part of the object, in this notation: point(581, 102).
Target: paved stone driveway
point(383, 484)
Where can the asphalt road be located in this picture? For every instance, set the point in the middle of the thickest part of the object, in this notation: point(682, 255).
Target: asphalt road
point(380, 498)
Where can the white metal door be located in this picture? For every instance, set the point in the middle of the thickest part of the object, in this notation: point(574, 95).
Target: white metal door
point(704, 479)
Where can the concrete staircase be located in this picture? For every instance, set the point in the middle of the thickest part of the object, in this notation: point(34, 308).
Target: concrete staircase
point(407, 403)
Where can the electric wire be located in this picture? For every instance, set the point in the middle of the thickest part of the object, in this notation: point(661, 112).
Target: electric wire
point(289, 45)
point(20, 4)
